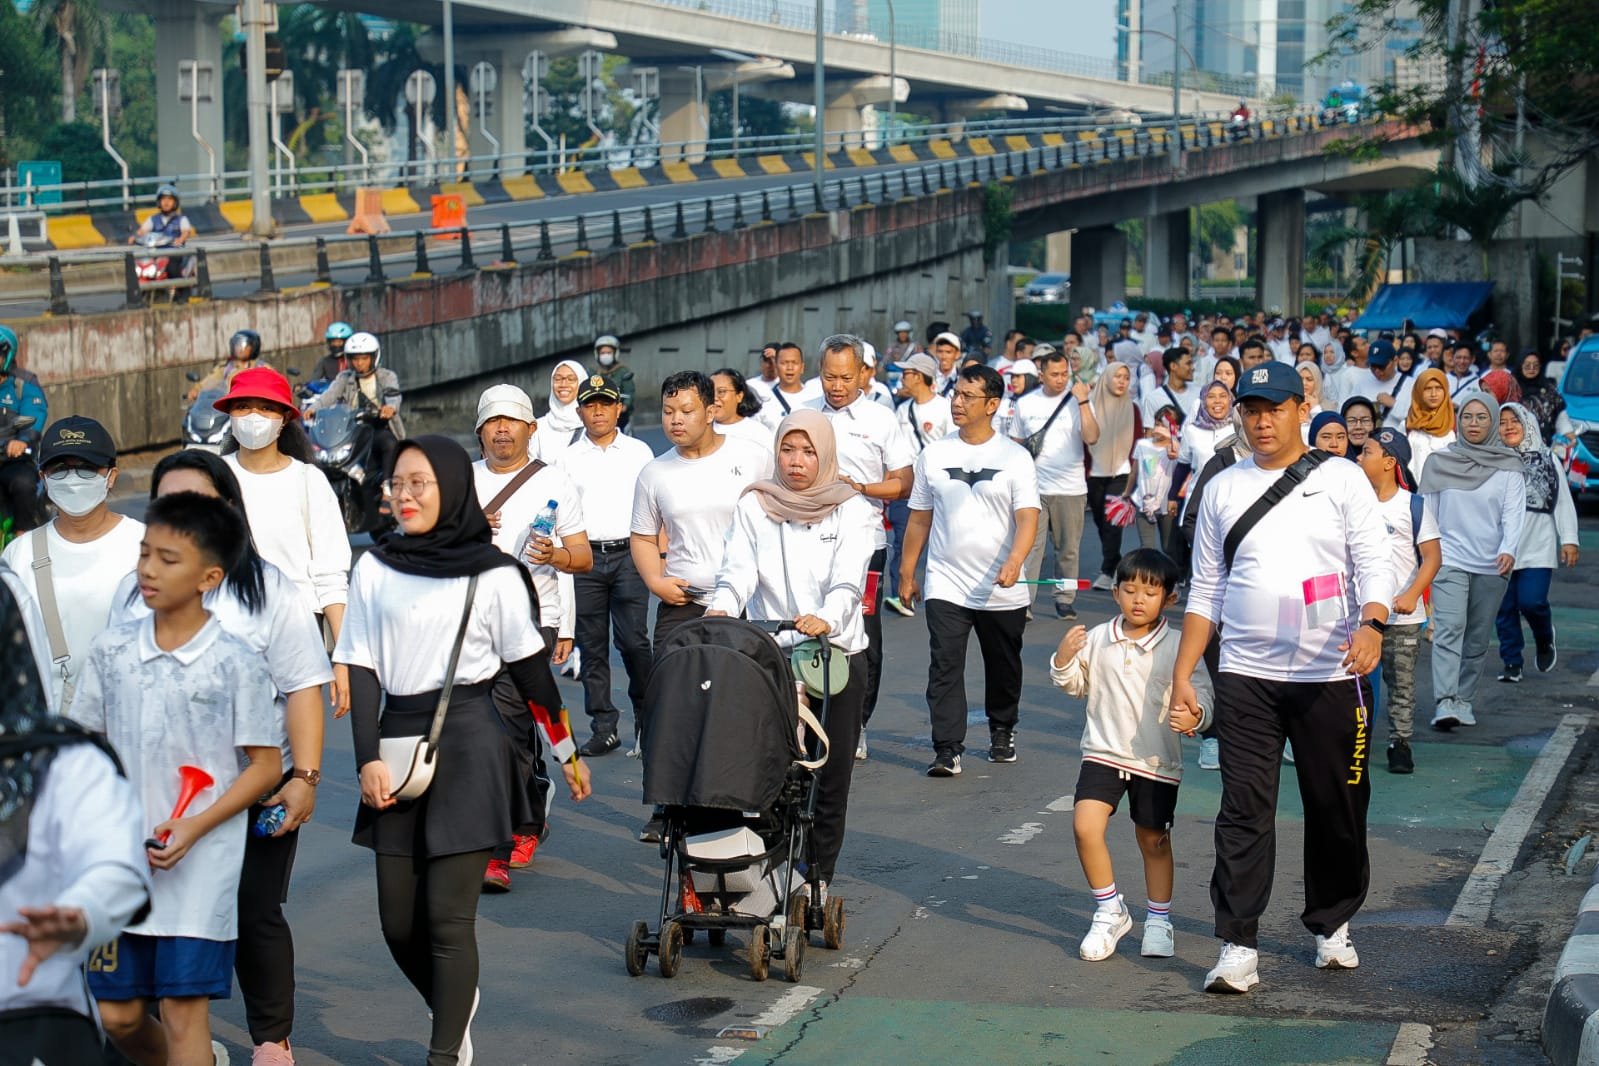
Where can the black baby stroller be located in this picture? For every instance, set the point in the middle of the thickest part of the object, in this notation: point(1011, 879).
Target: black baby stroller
point(722, 755)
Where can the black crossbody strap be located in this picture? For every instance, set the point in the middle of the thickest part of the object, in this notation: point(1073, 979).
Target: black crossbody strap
point(449, 671)
point(1050, 421)
point(1279, 490)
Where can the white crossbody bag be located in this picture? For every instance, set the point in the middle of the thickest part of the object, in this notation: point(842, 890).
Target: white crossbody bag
point(413, 760)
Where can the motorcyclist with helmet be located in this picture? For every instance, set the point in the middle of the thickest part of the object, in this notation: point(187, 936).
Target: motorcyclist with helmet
point(977, 337)
point(20, 397)
point(367, 385)
point(170, 221)
point(607, 353)
point(244, 352)
point(335, 362)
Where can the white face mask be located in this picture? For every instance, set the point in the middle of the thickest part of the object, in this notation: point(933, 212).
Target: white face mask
point(255, 430)
point(77, 496)
point(606, 358)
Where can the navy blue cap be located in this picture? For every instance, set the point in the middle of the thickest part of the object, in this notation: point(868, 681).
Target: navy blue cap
point(1396, 444)
point(1381, 353)
point(77, 437)
point(1272, 380)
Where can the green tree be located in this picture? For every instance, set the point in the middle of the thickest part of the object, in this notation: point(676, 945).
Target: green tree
point(133, 130)
point(1215, 228)
point(27, 84)
point(1385, 221)
point(77, 145)
point(77, 30)
point(757, 117)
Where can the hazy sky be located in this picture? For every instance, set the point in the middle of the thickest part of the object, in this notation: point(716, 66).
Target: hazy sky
point(1086, 27)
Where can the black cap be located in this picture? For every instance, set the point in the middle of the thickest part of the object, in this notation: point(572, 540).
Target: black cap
point(598, 387)
point(80, 438)
point(1272, 380)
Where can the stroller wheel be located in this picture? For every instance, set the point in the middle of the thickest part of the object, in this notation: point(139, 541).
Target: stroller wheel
point(760, 953)
point(637, 951)
point(833, 923)
point(799, 912)
point(717, 937)
point(794, 940)
point(671, 948)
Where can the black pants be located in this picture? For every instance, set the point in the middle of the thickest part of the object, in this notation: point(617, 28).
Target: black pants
point(874, 635)
point(428, 909)
point(529, 745)
point(48, 1035)
point(1331, 738)
point(1110, 534)
point(999, 637)
point(612, 605)
point(384, 444)
point(843, 727)
point(264, 962)
point(19, 494)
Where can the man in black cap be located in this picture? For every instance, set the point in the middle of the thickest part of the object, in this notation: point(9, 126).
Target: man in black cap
point(1276, 526)
point(73, 564)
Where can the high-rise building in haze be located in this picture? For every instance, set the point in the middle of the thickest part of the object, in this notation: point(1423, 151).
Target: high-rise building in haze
point(924, 23)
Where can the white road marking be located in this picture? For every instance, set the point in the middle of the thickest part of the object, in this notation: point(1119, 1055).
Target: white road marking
point(1022, 833)
point(1065, 803)
point(1411, 1045)
point(1499, 854)
point(788, 1004)
point(1593, 679)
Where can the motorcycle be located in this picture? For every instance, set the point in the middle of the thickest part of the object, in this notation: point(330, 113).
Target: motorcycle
point(341, 441)
point(157, 267)
point(1238, 129)
point(204, 427)
point(16, 516)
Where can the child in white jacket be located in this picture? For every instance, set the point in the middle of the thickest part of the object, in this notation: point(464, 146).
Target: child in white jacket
point(1131, 745)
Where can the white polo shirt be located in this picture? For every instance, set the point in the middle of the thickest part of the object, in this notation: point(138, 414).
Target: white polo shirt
point(870, 444)
point(605, 479)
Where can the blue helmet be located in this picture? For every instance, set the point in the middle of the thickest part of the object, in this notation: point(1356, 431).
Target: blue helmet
point(339, 331)
point(9, 345)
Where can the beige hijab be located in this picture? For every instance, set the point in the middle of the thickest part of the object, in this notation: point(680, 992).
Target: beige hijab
point(1115, 416)
point(784, 503)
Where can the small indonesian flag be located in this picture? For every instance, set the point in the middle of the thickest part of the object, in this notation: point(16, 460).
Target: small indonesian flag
point(1577, 474)
point(1119, 512)
point(557, 732)
point(1324, 600)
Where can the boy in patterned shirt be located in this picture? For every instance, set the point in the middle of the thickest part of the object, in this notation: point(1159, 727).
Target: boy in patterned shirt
point(169, 691)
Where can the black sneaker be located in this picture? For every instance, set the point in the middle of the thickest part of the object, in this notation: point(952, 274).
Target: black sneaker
point(1001, 745)
point(1545, 657)
point(945, 764)
point(1512, 674)
point(651, 833)
point(1065, 610)
point(1399, 759)
point(600, 744)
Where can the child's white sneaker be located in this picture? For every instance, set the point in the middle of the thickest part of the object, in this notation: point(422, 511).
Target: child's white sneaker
point(1105, 932)
point(1336, 952)
point(1235, 971)
point(1159, 939)
point(219, 1054)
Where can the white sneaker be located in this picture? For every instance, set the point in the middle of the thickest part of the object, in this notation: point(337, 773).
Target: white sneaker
point(1336, 952)
point(1105, 932)
point(1160, 941)
point(573, 665)
point(1235, 971)
point(1209, 753)
point(464, 1056)
point(1446, 716)
point(219, 1054)
point(1463, 714)
point(860, 748)
point(1288, 752)
point(1104, 583)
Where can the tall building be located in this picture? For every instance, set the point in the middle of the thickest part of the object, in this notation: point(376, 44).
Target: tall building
point(925, 23)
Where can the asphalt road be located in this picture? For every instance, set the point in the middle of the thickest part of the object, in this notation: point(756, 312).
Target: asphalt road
point(965, 906)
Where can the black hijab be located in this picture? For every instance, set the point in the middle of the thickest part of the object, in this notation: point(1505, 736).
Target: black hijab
point(461, 543)
point(1532, 388)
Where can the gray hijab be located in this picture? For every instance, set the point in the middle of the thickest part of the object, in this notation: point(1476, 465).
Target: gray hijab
point(1467, 466)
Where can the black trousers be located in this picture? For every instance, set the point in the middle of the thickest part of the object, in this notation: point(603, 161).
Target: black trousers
point(612, 605)
point(1331, 738)
point(874, 634)
point(47, 1035)
point(19, 494)
point(529, 745)
point(428, 909)
point(999, 637)
point(1110, 534)
point(264, 962)
point(843, 727)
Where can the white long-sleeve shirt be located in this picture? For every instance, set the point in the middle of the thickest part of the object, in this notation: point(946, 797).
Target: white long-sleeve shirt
point(86, 850)
point(1482, 524)
point(295, 520)
point(1328, 526)
point(1542, 535)
point(1128, 686)
point(826, 563)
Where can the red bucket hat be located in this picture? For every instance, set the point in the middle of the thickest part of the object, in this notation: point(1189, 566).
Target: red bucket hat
point(259, 383)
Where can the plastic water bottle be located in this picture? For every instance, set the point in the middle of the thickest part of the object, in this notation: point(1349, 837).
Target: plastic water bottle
point(544, 523)
point(269, 821)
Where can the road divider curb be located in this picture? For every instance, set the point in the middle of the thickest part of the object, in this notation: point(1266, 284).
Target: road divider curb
point(1571, 1017)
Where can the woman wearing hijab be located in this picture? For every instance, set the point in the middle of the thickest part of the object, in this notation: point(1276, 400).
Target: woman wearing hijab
point(1478, 492)
point(1548, 539)
point(1430, 425)
point(798, 549)
point(1332, 374)
point(1110, 460)
point(1329, 433)
point(1310, 374)
point(1541, 397)
point(1360, 420)
point(1210, 423)
point(558, 425)
point(407, 598)
point(73, 872)
point(1501, 385)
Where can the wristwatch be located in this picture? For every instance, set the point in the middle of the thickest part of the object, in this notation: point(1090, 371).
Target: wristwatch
point(1380, 627)
point(310, 777)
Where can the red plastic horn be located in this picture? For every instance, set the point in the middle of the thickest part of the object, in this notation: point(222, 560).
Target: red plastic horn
point(195, 781)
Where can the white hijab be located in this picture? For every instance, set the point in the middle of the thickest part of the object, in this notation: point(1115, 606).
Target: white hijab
point(562, 417)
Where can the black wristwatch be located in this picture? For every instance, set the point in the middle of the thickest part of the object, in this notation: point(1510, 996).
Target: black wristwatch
point(1380, 627)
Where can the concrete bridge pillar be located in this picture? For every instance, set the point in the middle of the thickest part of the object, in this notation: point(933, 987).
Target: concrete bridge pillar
point(684, 120)
point(1166, 244)
point(505, 120)
point(188, 30)
point(1099, 267)
point(851, 121)
point(1058, 252)
point(1280, 251)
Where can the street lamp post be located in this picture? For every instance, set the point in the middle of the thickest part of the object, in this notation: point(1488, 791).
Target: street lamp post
point(893, 69)
point(255, 27)
point(1176, 86)
point(821, 107)
point(449, 83)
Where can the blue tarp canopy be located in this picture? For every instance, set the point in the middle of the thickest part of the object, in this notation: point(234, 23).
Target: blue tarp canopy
point(1426, 305)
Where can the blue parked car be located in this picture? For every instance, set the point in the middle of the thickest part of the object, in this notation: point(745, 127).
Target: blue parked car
point(1579, 387)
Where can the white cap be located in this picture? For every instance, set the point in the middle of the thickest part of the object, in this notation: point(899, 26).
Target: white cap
point(902, 326)
point(948, 338)
point(1023, 366)
point(503, 401)
point(868, 354)
point(1435, 332)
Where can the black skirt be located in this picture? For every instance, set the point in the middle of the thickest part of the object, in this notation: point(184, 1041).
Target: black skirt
point(476, 796)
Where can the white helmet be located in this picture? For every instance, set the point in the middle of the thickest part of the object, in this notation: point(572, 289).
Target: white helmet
point(902, 326)
point(364, 344)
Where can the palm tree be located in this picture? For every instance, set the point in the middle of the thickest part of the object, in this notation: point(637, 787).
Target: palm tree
point(78, 28)
point(1386, 220)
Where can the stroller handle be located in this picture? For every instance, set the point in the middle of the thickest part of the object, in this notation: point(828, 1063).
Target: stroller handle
point(785, 625)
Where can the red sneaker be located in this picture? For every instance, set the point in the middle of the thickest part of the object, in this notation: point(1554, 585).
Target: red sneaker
point(522, 850)
point(497, 878)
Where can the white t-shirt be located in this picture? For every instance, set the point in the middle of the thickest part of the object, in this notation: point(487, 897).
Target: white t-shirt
point(751, 429)
point(774, 410)
point(1187, 401)
point(1328, 525)
point(516, 518)
point(1479, 525)
point(295, 520)
point(922, 423)
point(869, 446)
point(197, 705)
point(1358, 381)
point(1402, 542)
point(402, 626)
point(1196, 445)
point(85, 577)
point(605, 479)
point(693, 500)
point(1400, 389)
point(1060, 462)
point(974, 492)
point(284, 631)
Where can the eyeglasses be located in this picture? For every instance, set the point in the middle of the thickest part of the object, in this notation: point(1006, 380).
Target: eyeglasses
point(83, 473)
point(971, 397)
point(1474, 418)
point(411, 486)
point(1358, 421)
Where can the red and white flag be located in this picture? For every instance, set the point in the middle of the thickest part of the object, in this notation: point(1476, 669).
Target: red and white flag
point(1325, 602)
